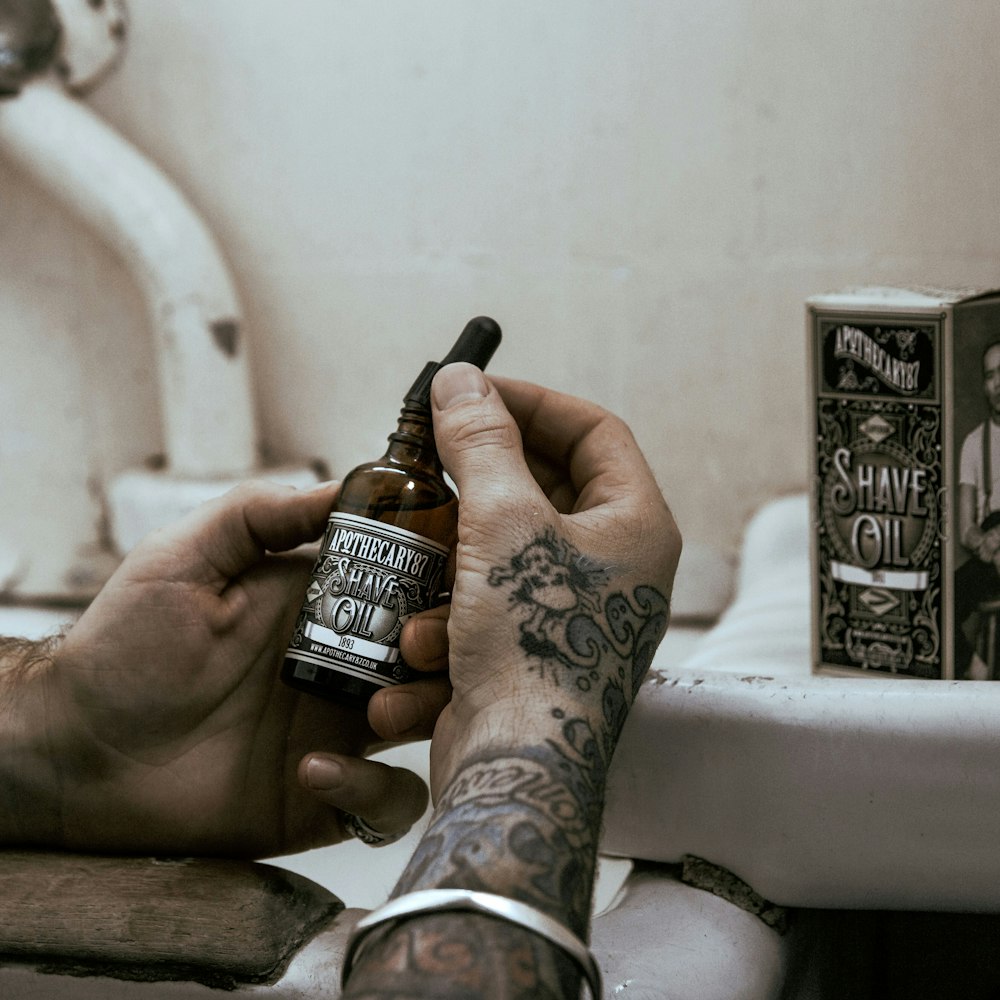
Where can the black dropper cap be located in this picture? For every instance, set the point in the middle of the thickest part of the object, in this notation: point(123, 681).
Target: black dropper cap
point(476, 344)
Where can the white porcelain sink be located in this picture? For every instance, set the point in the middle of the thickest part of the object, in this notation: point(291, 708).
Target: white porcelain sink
point(867, 792)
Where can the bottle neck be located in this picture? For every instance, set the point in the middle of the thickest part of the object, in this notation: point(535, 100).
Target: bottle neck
point(412, 443)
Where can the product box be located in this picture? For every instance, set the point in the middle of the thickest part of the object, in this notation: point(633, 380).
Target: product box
point(905, 386)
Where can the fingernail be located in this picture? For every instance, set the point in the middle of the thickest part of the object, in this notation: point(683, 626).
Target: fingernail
point(457, 383)
point(404, 711)
point(323, 774)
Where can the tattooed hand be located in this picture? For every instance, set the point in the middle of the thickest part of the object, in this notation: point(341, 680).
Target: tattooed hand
point(564, 568)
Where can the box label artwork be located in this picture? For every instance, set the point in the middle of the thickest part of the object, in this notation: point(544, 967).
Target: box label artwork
point(880, 471)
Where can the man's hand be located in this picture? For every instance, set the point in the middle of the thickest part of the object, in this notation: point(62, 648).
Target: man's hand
point(564, 567)
point(160, 722)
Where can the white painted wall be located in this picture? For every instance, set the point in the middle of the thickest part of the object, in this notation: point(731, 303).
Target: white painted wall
point(643, 193)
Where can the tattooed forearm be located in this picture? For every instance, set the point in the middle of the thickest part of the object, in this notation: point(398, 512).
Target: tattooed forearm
point(524, 821)
point(536, 809)
point(519, 826)
point(462, 957)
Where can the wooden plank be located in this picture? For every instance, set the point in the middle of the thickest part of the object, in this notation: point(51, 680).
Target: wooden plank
point(207, 920)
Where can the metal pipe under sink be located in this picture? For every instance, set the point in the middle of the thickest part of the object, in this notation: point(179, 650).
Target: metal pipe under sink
point(51, 51)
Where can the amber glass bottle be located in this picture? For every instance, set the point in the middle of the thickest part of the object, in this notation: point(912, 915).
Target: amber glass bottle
point(384, 553)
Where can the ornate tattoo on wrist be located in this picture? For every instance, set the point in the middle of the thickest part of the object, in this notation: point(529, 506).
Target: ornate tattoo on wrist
point(543, 803)
point(524, 821)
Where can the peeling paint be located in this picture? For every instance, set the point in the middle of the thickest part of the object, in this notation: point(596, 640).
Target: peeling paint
point(226, 334)
point(657, 679)
point(702, 874)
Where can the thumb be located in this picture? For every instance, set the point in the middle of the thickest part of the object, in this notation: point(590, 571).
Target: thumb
point(478, 440)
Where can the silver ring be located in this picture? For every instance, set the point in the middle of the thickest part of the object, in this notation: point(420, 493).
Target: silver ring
point(367, 834)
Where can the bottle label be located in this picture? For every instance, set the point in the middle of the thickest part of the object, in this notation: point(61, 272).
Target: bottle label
point(369, 578)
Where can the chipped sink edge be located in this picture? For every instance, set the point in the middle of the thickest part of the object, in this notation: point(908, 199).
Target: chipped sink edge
point(840, 792)
point(817, 791)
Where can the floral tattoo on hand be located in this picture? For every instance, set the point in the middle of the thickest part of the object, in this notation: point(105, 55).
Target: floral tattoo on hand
point(560, 591)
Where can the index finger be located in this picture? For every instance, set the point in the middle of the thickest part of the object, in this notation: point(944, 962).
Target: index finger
point(579, 452)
